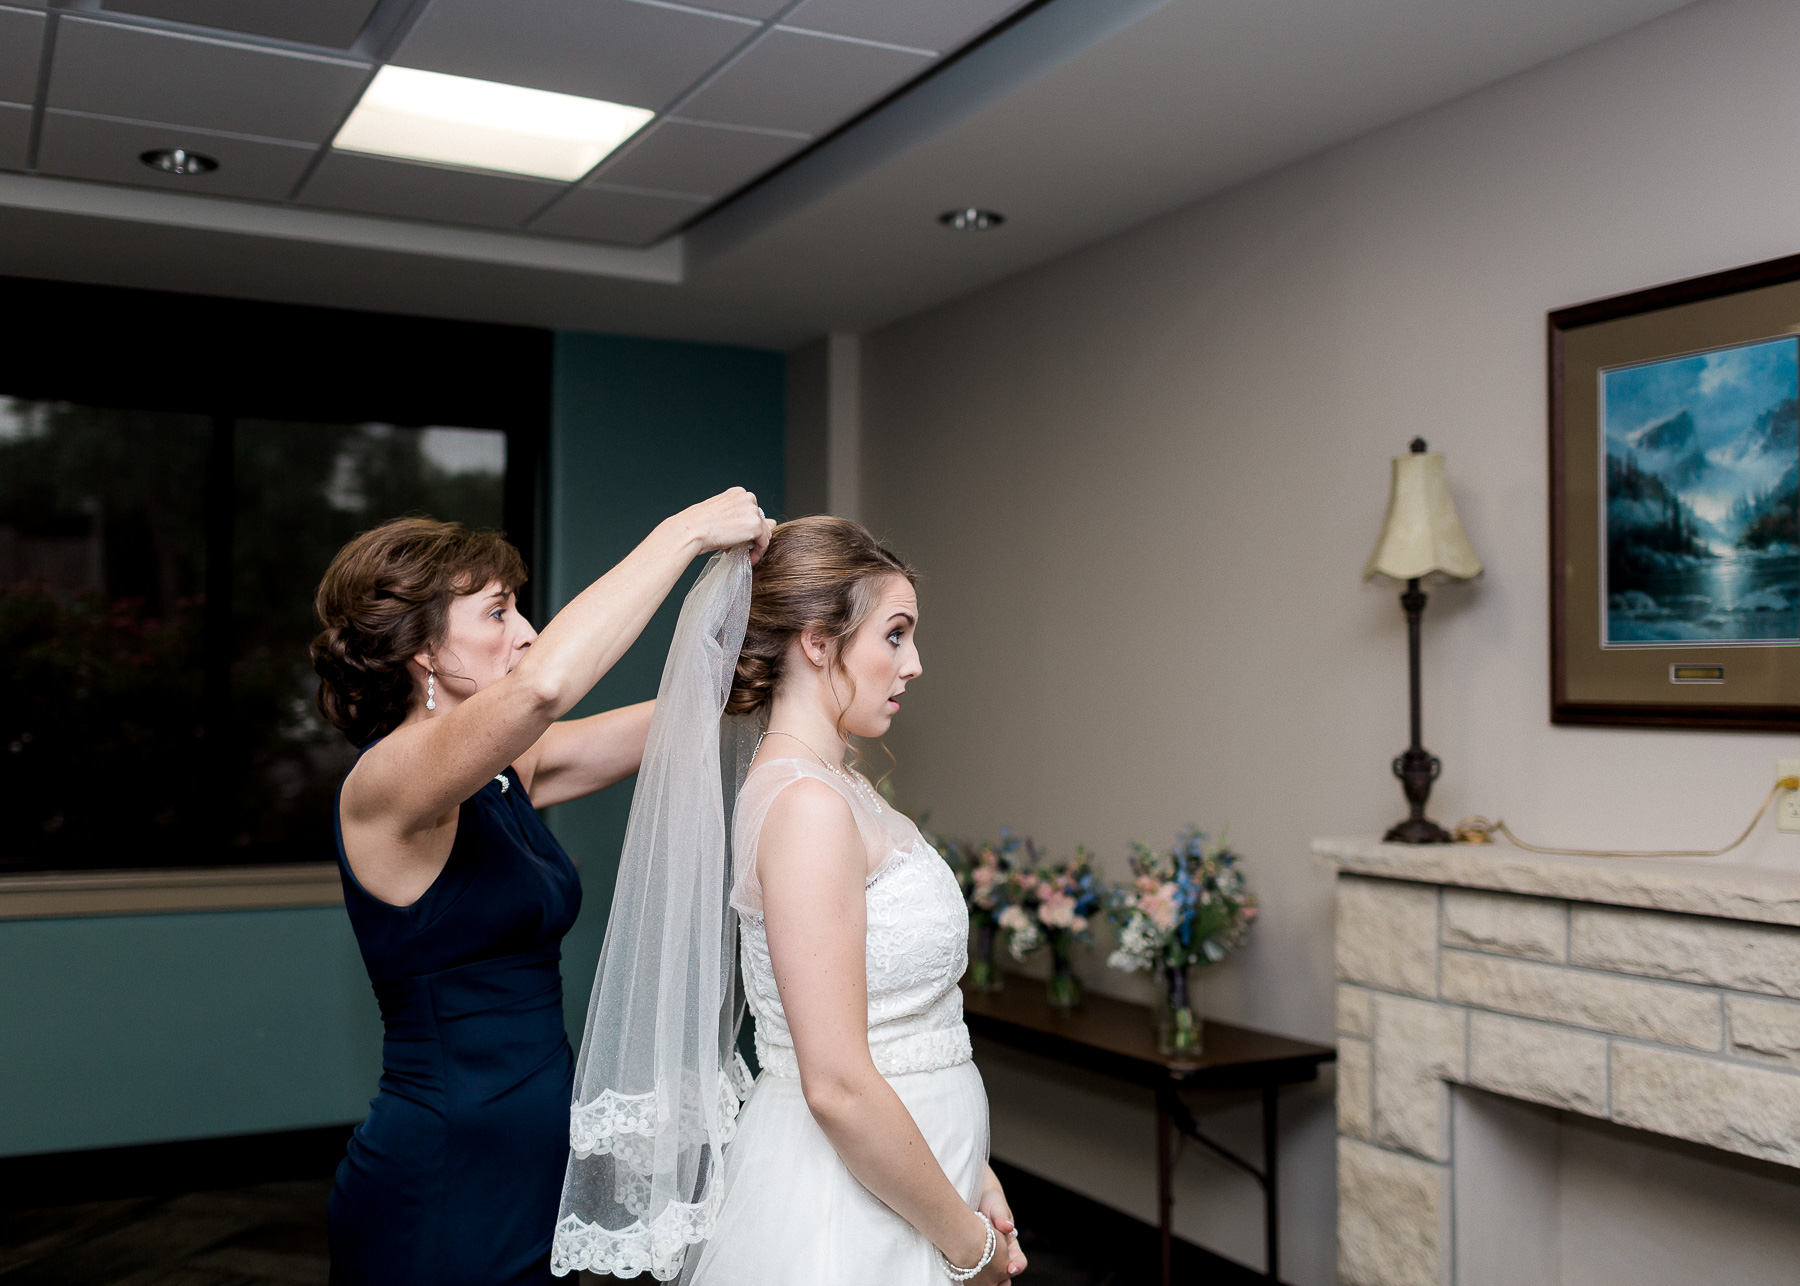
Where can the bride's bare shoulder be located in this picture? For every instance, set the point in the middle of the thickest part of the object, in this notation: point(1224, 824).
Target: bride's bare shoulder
point(808, 823)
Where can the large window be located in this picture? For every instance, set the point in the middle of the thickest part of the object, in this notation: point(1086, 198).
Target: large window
point(157, 568)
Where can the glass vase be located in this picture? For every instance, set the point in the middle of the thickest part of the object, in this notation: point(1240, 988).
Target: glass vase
point(1180, 1033)
point(984, 975)
point(1063, 989)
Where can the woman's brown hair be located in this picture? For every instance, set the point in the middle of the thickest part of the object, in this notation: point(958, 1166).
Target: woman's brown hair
point(818, 573)
point(384, 599)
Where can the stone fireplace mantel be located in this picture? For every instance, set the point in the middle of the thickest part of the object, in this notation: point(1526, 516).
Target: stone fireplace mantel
point(1656, 994)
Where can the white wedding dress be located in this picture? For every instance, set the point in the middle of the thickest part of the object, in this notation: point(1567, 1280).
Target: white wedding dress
point(793, 1215)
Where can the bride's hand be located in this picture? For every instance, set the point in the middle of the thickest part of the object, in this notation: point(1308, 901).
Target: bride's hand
point(729, 518)
point(993, 1204)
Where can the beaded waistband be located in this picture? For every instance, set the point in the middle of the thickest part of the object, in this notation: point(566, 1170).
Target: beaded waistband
point(925, 1051)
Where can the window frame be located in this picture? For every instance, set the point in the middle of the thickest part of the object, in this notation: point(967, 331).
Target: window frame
point(232, 360)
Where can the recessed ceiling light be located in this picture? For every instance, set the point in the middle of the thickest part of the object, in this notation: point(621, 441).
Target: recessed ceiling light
point(176, 160)
point(428, 116)
point(971, 219)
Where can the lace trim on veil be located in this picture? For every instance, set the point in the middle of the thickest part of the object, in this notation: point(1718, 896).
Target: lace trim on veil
point(658, 1249)
point(624, 1126)
point(622, 1123)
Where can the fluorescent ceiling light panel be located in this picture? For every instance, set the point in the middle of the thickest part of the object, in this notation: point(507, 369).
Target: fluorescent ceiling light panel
point(453, 120)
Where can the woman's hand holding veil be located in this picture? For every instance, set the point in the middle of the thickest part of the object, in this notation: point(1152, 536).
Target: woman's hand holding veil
point(729, 518)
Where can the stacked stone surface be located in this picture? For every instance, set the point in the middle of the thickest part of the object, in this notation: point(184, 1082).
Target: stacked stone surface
point(1660, 996)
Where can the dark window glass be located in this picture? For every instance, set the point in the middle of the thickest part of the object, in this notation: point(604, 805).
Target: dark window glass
point(156, 583)
point(102, 576)
point(302, 491)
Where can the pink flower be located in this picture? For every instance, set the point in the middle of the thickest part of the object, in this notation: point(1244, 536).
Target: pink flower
point(1160, 906)
point(1057, 910)
point(1078, 923)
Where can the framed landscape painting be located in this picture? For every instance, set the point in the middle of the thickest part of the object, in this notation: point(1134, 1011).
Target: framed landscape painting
point(1675, 504)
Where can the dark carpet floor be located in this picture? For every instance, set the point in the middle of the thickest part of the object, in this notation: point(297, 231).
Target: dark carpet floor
point(270, 1234)
point(273, 1234)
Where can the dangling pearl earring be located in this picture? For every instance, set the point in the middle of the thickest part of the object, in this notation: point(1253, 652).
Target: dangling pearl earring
point(431, 691)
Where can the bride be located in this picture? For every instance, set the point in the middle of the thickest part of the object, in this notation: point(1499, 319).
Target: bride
point(860, 1152)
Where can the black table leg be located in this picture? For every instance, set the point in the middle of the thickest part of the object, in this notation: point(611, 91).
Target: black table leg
point(1165, 1182)
point(1271, 1187)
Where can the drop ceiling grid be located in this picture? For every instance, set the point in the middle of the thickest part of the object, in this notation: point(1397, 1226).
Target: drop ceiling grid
point(328, 24)
point(738, 87)
point(614, 173)
point(137, 73)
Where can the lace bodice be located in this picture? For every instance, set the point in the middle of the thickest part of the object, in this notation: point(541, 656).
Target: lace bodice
point(918, 933)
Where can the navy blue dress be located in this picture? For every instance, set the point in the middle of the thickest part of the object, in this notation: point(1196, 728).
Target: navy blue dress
point(455, 1176)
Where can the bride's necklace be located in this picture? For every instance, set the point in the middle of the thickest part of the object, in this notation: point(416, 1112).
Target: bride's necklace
point(856, 783)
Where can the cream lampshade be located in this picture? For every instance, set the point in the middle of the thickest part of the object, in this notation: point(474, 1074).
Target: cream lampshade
point(1420, 537)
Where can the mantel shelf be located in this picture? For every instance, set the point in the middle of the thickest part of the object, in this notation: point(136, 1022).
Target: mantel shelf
point(1664, 884)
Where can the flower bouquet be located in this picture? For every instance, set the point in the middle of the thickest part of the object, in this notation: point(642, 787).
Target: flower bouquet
point(1185, 908)
point(1055, 905)
point(986, 872)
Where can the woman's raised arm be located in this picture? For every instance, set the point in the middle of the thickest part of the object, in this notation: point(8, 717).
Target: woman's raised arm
point(401, 792)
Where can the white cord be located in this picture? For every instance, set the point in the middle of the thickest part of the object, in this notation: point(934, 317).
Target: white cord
point(1479, 830)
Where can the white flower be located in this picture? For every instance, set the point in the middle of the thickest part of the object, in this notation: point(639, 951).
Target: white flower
point(1139, 941)
point(1024, 941)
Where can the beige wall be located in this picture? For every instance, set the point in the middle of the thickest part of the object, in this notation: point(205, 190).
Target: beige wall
point(1141, 482)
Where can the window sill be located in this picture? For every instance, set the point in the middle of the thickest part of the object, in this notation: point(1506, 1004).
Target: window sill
point(60, 894)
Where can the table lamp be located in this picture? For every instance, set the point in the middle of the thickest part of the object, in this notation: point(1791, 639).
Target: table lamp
point(1421, 537)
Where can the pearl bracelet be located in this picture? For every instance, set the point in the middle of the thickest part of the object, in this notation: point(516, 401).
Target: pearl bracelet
point(987, 1255)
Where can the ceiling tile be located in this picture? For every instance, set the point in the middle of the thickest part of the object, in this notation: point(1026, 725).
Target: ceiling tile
point(799, 82)
point(372, 185)
point(332, 23)
point(706, 160)
point(15, 135)
point(21, 45)
point(150, 75)
point(744, 8)
point(637, 54)
point(624, 218)
point(86, 147)
point(940, 25)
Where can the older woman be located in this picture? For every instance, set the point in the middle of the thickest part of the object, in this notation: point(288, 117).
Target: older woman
point(458, 893)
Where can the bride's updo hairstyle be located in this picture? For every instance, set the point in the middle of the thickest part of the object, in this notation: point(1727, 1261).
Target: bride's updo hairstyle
point(384, 599)
point(818, 573)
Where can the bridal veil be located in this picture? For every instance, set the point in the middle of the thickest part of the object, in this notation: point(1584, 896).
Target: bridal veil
point(659, 1083)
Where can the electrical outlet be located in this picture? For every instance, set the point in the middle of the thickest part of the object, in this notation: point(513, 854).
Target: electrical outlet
point(1787, 808)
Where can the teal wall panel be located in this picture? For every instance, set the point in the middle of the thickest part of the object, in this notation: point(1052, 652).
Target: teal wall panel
point(135, 1029)
point(641, 429)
